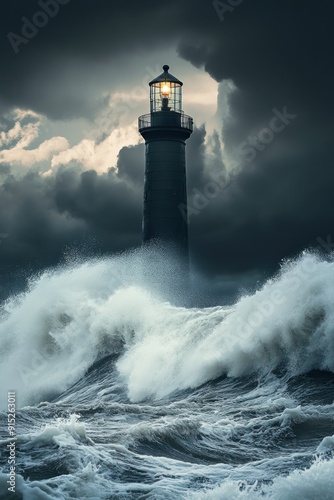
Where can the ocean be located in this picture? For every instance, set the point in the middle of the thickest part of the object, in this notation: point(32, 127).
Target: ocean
point(124, 384)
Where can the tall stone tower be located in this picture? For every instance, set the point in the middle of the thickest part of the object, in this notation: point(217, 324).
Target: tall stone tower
point(165, 130)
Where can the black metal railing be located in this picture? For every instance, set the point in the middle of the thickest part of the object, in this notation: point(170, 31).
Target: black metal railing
point(165, 119)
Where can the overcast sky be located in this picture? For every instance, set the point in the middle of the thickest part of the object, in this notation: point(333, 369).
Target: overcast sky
point(258, 81)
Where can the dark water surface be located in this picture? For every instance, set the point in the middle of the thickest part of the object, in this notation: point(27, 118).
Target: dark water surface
point(121, 394)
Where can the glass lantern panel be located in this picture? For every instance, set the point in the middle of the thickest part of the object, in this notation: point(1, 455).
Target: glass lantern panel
point(166, 96)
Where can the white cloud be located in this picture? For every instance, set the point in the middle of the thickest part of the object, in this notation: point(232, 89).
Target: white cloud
point(89, 152)
point(114, 128)
point(102, 156)
point(23, 136)
point(29, 157)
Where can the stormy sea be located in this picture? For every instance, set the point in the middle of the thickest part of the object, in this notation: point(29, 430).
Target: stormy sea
point(127, 384)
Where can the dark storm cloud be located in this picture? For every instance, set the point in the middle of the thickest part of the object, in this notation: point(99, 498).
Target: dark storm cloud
point(278, 54)
point(58, 68)
point(42, 215)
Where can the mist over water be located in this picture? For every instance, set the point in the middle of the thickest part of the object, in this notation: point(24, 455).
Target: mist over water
point(141, 392)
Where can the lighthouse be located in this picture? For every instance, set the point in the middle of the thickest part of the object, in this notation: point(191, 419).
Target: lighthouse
point(165, 130)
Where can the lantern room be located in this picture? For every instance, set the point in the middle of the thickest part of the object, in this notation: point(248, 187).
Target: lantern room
point(166, 93)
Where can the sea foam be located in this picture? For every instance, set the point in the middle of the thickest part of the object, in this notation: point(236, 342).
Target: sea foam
point(73, 316)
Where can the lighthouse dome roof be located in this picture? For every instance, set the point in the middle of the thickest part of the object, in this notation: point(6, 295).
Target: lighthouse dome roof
point(166, 77)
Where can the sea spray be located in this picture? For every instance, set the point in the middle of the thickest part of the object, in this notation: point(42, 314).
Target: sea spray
point(73, 316)
point(230, 401)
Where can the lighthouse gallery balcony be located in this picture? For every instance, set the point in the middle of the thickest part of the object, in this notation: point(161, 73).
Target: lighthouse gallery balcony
point(165, 119)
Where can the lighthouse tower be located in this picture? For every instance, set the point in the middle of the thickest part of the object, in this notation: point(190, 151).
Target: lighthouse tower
point(165, 130)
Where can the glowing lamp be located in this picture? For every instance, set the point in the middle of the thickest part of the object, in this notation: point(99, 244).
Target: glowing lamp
point(165, 90)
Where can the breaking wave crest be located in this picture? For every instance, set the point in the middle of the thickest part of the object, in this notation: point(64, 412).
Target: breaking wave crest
point(74, 316)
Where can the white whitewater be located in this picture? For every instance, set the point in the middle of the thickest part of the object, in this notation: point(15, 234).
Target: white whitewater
point(71, 317)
